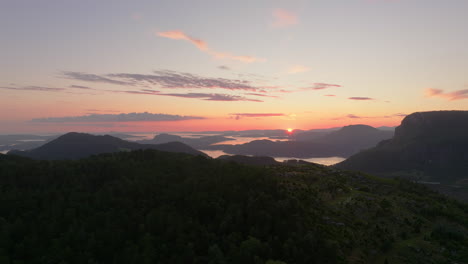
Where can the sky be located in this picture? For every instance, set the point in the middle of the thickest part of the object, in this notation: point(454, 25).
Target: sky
point(209, 65)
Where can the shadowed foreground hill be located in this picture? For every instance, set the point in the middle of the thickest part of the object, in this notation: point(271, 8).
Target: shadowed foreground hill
point(255, 161)
point(80, 145)
point(427, 146)
point(148, 206)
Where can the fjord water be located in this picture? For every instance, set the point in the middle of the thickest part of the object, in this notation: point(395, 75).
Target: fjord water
point(321, 160)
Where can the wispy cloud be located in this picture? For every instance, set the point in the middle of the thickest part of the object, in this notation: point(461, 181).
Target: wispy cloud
point(361, 98)
point(238, 116)
point(285, 91)
point(130, 117)
point(353, 116)
point(93, 111)
point(451, 96)
point(283, 18)
point(321, 86)
point(298, 69)
point(81, 87)
point(166, 80)
point(34, 88)
point(241, 58)
point(262, 95)
point(330, 95)
point(203, 46)
point(176, 34)
point(224, 67)
point(88, 77)
point(143, 92)
point(212, 97)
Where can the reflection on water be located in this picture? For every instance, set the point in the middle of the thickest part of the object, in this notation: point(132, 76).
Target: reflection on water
point(148, 136)
point(322, 160)
point(4, 151)
point(243, 140)
point(237, 140)
point(214, 153)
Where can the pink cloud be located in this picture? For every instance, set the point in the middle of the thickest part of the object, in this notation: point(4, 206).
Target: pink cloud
point(285, 91)
point(284, 18)
point(226, 55)
point(203, 46)
point(451, 96)
point(176, 34)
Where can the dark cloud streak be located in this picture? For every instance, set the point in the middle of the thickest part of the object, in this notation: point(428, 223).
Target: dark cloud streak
point(88, 77)
point(361, 98)
point(321, 86)
point(34, 88)
point(212, 97)
point(130, 117)
point(165, 79)
point(81, 87)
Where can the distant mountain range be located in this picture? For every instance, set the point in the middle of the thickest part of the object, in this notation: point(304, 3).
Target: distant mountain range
point(201, 140)
point(197, 142)
point(80, 145)
point(343, 142)
point(22, 141)
point(427, 146)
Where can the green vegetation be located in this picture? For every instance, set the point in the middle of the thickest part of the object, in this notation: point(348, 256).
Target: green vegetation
point(148, 206)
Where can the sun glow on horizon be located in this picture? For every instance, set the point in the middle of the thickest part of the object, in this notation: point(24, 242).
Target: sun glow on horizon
point(290, 130)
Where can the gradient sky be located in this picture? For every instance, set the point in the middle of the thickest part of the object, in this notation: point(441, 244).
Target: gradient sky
point(95, 65)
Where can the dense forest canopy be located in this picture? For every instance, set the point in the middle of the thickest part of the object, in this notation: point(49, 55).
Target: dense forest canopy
point(148, 206)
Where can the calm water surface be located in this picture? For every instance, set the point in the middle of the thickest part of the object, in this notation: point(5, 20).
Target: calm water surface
point(323, 160)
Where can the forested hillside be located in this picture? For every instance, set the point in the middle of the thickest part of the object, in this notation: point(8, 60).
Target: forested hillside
point(148, 206)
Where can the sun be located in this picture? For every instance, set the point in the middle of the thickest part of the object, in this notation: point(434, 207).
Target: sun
point(290, 130)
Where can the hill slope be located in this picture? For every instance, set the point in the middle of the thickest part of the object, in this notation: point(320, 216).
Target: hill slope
point(354, 138)
point(427, 146)
point(80, 145)
point(148, 206)
point(198, 142)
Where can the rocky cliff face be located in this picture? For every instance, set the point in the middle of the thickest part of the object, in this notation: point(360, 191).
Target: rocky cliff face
point(431, 145)
point(437, 123)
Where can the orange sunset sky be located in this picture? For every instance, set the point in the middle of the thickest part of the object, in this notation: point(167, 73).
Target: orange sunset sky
point(228, 65)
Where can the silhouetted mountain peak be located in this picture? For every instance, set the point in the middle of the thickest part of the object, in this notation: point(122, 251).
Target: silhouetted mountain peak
point(435, 123)
point(432, 146)
point(357, 129)
point(167, 137)
point(84, 138)
point(75, 145)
